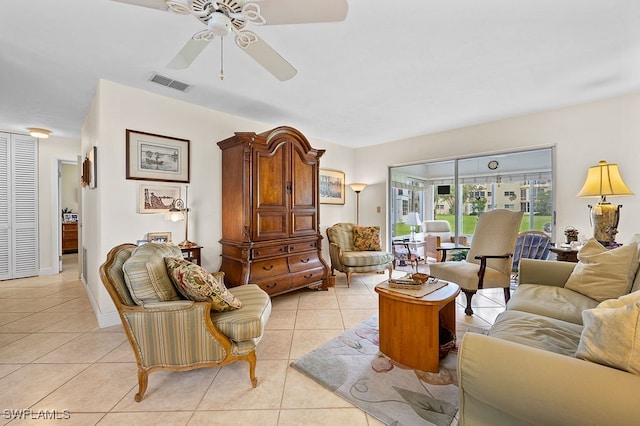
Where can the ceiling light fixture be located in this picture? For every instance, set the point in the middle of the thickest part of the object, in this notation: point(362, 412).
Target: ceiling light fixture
point(36, 132)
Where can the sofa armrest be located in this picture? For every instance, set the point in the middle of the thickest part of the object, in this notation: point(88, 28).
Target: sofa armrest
point(503, 382)
point(545, 272)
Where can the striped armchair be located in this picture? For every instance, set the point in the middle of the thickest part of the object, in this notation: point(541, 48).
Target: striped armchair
point(179, 334)
point(348, 258)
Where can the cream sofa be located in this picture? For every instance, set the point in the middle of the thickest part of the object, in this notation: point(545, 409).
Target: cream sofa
point(525, 371)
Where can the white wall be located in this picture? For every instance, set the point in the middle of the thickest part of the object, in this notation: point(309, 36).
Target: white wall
point(583, 134)
point(50, 151)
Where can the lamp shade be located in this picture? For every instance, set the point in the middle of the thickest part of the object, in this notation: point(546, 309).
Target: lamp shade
point(603, 180)
point(357, 187)
point(413, 219)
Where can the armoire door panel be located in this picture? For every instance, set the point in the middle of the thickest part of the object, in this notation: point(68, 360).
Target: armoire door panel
point(270, 225)
point(270, 178)
point(304, 178)
point(303, 223)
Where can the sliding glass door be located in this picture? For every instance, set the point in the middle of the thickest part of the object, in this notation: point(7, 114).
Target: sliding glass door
point(459, 190)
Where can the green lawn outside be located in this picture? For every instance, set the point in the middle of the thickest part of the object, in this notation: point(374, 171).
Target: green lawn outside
point(469, 224)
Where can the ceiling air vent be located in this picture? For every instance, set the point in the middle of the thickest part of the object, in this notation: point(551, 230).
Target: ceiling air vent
point(166, 81)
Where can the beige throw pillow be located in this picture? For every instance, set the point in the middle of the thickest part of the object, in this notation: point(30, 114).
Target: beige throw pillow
point(197, 284)
point(603, 274)
point(611, 337)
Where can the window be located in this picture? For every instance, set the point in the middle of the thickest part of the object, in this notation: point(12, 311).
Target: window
point(522, 181)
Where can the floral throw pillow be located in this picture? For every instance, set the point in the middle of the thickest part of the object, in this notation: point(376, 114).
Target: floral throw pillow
point(197, 284)
point(366, 238)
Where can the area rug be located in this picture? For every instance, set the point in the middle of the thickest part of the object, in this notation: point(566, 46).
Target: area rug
point(352, 366)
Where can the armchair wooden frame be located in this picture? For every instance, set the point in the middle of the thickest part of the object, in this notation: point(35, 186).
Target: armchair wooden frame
point(135, 319)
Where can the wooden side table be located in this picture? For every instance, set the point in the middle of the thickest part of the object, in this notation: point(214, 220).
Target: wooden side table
point(192, 254)
point(410, 326)
point(564, 254)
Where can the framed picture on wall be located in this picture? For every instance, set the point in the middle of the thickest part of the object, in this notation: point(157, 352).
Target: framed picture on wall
point(331, 187)
point(157, 198)
point(156, 157)
point(159, 237)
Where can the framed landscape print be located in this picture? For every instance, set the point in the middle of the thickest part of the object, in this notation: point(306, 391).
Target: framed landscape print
point(156, 157)
point(331, 187)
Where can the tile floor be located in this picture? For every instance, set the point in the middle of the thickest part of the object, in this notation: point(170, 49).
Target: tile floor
point(53, 356)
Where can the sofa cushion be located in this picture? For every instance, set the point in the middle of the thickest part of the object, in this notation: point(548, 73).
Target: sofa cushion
point(366, 258)
point(537, 331)
point(611, 337)
point(551, 301)
point(465, 274)
point(247, 322)
point(197, 284)
point(604, 274)
point(146, 274)
point(621, 301)
point(366, 238)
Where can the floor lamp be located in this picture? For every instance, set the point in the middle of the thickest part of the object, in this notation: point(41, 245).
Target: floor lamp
point(603, 180)
point(357, 188)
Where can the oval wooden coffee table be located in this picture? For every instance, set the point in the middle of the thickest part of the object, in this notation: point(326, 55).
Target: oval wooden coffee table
point(409, 326)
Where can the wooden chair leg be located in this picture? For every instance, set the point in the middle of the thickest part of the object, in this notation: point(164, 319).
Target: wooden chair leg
point(469, 294)
point(507, 295)
point(348, 279)
point(143, 381)
point(251, 358)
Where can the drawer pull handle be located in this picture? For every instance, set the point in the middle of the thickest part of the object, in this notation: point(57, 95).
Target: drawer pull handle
point(305, 260)
point(257, 253)
point(308, 276)
point(272, 285)
point(268, 268)
point(283, 249)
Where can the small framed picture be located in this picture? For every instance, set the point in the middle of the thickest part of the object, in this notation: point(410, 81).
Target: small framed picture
point(331, 187)
point(69, 217)
point(157, 198)
point(159, 237)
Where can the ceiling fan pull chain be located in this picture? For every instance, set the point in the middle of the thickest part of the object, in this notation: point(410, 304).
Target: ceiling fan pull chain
point(221, 58)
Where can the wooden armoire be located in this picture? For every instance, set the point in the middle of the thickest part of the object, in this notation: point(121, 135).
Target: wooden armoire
point(270, 211)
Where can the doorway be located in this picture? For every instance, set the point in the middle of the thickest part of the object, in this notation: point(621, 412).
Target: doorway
point(68, 212)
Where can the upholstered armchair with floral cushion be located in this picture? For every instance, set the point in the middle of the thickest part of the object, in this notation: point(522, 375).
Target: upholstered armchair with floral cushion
point(177, 316)
point(354, 248)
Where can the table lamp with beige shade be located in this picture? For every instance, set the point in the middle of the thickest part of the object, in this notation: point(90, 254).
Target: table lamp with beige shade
point(604, 180)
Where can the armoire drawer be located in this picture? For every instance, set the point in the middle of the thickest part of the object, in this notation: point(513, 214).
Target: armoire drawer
point(303, 246)
point(269, 268)
point(275, 285)
point(307, 277)
point(262, 252)
point(304, 261)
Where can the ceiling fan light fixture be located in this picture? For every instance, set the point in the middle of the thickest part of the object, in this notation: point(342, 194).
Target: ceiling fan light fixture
point(220, 24)
point(37, 132)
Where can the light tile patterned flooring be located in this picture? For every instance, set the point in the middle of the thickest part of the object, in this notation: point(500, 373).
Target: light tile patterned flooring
point(53, 356)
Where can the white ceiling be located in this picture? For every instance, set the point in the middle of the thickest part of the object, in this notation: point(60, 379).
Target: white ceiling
point(391, 70)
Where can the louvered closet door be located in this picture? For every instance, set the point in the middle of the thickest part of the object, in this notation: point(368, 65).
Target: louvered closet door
point(19, 202)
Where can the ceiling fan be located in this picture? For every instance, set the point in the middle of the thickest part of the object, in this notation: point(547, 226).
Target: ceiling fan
point(224, 17)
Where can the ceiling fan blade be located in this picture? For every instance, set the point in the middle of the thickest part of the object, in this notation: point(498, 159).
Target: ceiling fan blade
point(188, 53)
point(279, 12)
point(271, 60)
point(153, 4)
